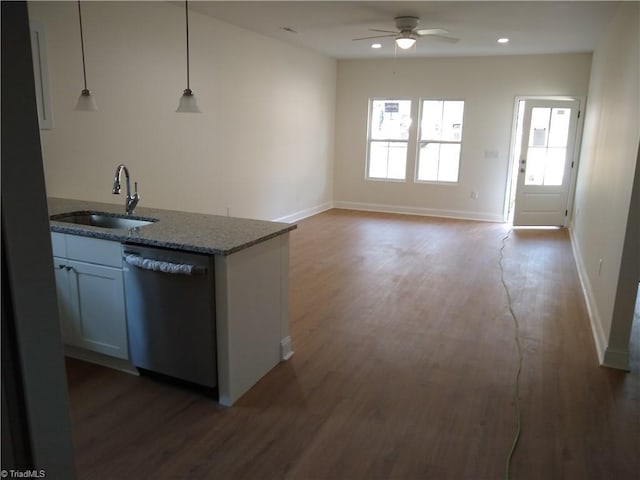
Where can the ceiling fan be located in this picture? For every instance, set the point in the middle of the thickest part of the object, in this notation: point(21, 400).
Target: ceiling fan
point(407, 32)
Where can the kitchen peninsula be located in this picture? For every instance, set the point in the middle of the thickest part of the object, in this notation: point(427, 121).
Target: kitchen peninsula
point(250, 277)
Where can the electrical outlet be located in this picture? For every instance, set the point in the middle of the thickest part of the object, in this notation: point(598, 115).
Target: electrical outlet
point(474, 195)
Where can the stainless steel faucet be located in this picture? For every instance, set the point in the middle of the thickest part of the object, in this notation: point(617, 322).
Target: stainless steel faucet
point(132, 200)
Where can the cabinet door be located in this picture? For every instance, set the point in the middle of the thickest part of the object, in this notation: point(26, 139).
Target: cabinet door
point(67, 305)
point(101, 321)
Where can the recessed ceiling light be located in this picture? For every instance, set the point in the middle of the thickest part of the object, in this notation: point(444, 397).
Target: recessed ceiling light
point(503, 40)
point(376, 45)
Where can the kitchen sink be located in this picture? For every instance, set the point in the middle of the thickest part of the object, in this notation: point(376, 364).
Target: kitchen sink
point(103, 220)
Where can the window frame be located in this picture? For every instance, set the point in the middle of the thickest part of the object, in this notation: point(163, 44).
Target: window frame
point(369, 139)
point(420, 142)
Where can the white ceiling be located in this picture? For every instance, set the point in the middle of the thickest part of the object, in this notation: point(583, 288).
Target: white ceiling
point(328, 27)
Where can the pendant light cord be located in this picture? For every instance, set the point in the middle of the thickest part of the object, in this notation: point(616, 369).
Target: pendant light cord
point(84, 68)
point(186, 12)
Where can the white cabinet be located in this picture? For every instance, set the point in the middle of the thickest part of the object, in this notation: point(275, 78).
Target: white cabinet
point(90, 291)
point(66, 307)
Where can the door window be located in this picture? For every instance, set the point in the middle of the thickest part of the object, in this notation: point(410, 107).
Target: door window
point(547, 146)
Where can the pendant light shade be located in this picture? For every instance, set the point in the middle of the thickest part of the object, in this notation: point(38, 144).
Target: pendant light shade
point(188, 102)
point(86, 101)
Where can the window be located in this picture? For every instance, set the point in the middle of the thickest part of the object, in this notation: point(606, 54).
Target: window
point(389, 122)
point(440, 141)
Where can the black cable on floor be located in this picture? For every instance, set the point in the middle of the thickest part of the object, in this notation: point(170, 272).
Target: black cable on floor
point(516, 387)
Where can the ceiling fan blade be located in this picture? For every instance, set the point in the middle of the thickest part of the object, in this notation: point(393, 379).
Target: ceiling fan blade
point(443, 38)
point(385, 31)
point(376, 36)
point(432, 31)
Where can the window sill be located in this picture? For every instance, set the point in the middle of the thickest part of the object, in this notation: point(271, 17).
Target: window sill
point(392, 180)
point(435, 182)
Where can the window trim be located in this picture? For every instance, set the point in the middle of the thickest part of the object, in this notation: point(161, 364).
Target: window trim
point(369, 140)
point(420, 142)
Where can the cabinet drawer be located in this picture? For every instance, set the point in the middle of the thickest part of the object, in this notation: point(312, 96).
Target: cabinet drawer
point(94, 250)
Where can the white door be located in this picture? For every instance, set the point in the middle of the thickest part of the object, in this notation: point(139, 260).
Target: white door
point(546, 159)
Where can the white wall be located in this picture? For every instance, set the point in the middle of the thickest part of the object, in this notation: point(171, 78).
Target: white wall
point(605, 178)
point(262, 148)
point(488, 85)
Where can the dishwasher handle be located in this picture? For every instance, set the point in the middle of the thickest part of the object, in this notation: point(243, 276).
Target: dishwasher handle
point(163, 266)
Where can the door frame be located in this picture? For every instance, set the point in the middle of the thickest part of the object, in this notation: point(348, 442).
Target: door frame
point(512, 170)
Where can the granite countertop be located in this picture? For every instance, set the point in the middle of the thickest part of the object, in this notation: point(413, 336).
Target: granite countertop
point(192, 232)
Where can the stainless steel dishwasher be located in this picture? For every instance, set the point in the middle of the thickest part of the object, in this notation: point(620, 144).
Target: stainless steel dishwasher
point(171, 313)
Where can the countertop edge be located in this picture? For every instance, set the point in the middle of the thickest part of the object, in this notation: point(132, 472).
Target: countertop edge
point(112, 234)
point(130, 236)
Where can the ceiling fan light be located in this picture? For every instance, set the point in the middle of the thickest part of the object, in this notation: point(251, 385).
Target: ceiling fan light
point(405, 42)
point(188, 103)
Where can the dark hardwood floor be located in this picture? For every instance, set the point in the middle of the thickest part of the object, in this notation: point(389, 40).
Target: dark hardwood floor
point(404, 368)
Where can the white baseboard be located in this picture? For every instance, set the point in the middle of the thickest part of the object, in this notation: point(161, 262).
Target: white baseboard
point(616, 359)
point(100, 359)
point(285, 348)
point(599, 336)
point(307, 212)
point(422, 211)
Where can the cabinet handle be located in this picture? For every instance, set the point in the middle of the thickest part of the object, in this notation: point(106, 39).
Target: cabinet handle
point(61, 266)
point(69, 269)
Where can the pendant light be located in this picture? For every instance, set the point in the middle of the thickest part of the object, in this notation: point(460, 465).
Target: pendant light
point(188, 102)
point(86, 101)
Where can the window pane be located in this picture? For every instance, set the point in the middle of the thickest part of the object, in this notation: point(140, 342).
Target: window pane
point(545, 166)
point(452, 121)
point(387, 160)
point(539, 126)
point(559, 131)
point(397, 161)
point(441, 120)
point(554, 166)
point(536, 159)
point(378, 158)
point(449, 161)
point(431, 125)
point(428, 162)
point(439, 162)
point(390, 119)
